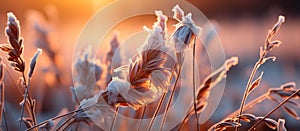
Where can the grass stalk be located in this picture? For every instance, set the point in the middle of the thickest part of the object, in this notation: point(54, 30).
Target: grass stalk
point(57, 117)
point(249, 105)
point(70, 119)
point(194, 85)
point(25, 100)
point(160, 101)
point(172, 94)
point(255, 68)
point(156, 111)
point(272, 111)
point(114, 119)
point(142, 117)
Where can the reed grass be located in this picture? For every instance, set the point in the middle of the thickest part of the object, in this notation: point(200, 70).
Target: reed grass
point(144, 80)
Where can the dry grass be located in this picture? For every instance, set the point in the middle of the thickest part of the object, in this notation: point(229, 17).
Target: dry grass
point(145, 80)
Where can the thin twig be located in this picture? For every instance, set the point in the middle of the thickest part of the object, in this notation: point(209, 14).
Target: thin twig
point(64, 123)
point(114, 119)
point(160, 101)
point(5, 119)
point(268, 46)
point(277, 107)
point(20, 92)
point(249, 105)
point(142, 117)
point(25, 100)
point(54, 118)
point(156, 112)
point(171, 96)
point(69, 124)
point(256, 66)
point(194, 85)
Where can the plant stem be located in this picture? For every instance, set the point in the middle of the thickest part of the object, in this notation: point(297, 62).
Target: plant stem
point(114, 119)
point(57, 117)
point(5, 118)
point(25, 100)
point(142, 117)
point(64, 123)
point(194, 85)
point(255, 68)
point(69, 124)
point(249, 105)
point(171, 95)
point(156, 112)
point(160, 101)
point(277, 107)
point(19, 91)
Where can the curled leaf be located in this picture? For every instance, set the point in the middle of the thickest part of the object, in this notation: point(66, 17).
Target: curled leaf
point(255, 83)
point(5, 47)
point(33, 61)
point(273, 58)
point(28, 122)
point(48, 126)
point(271, 123)
point(276, 27)
point(247, 117)
point(295, 103)
point(224, 125)
point(291, 112)
point(288, 86)
point(280, 125)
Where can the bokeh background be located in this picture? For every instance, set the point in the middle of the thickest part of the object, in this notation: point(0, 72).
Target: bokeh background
point(242, 27)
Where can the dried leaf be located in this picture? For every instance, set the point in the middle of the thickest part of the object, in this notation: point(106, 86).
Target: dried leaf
point(295, 103)
point(247, 117)
point(255, 83)
point(273, 44)
point(273, 58)
point(280, 125)
point(5, 47)
point(288, 86)
point(283, 94)
point(28, 122)
point(48, 126)
point(277, 26)
point(178, 13)
point(227, 124)
point(271, 123)
point(291, 112)
point(271, 97)
point(33, 62)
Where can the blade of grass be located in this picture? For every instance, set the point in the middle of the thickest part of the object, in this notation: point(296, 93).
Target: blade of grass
point(249, 105)
point(160, 102)
point(171, 95)
point(142, 117)
point(114, 119)
point(194, 85)
point(272, 111)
